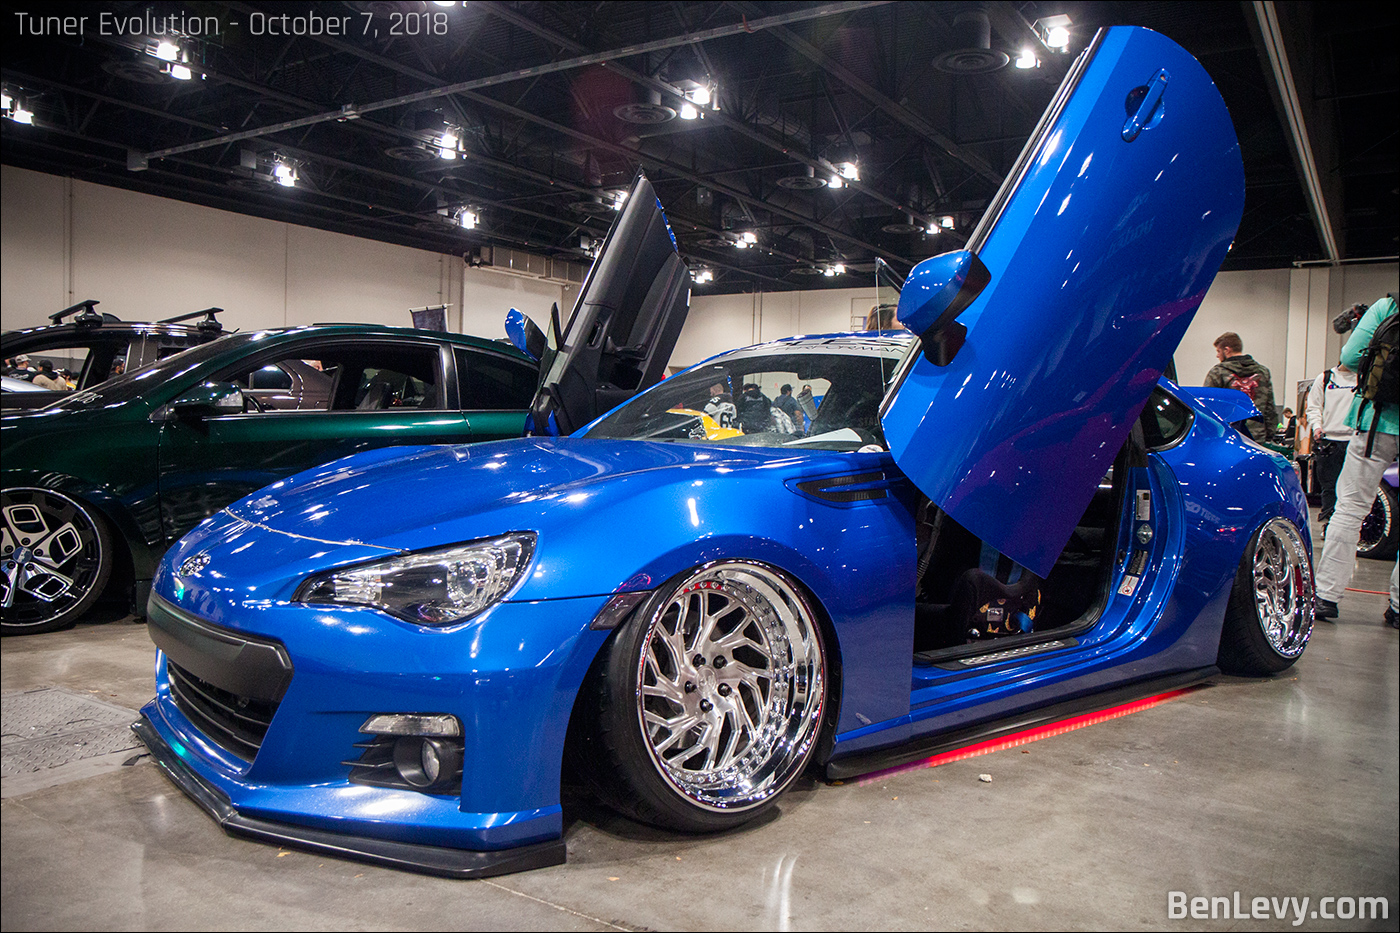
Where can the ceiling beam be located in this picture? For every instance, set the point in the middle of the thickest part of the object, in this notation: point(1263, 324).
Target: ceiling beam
point(354, 111)
point(634, 155)
point(1271, 36)
point(895, 111)
point(721, 117)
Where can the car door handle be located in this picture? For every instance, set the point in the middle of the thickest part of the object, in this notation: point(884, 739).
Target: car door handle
point(1140, 116)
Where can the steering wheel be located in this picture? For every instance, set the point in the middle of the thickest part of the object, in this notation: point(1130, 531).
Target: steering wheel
point(252, 404)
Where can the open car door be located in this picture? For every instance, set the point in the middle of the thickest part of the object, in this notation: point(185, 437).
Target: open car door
point(624, 326)
point(1040, 343)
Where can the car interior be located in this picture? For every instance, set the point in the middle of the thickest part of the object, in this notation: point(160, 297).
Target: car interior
point(356, 378)
point(970, 599)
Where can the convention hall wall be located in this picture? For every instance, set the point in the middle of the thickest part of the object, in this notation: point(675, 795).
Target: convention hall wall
point(147, 257)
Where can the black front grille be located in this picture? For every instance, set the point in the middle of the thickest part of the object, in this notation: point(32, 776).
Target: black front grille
point(237, 723)
point(226, 682)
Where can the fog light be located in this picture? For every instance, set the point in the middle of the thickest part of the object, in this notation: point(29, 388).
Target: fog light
point(428, 765)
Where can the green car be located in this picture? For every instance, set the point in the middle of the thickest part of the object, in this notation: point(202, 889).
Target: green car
point(96, 486)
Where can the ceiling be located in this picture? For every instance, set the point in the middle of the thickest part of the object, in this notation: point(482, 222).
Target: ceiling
point(557, 105)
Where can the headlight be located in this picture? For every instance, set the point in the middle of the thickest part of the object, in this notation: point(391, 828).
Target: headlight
point(438, 587)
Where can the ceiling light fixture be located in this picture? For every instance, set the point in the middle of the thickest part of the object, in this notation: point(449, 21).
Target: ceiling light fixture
point(467, 218)
point(697, 97)
point(1054, 31)
point(702, 275)
point(284, 172)
point(1027, 59)
point(175, 59)
point(449, 143)
point(14, 107)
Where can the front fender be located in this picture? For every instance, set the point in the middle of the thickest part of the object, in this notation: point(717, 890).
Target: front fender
point(866, 592)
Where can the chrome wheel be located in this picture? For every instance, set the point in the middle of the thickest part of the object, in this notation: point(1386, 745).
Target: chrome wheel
point(55, 557)
point(1283, 588)
point(1378, 536)
point(730, 686)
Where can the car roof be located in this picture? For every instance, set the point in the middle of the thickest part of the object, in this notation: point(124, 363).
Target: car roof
point(61, 333)
point(382, 330)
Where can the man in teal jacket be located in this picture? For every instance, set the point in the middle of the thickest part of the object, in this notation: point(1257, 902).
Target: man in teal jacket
point(1361, 475)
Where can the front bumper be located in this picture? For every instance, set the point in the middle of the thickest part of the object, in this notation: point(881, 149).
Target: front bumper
point(434, 860)
point(510, 677)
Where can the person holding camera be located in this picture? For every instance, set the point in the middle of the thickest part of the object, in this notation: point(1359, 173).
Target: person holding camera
point(1373, 350)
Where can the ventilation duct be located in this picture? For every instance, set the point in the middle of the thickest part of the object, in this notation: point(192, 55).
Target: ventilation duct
point(972, 52)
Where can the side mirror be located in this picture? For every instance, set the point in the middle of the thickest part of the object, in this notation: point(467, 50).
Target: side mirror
point(525, 335)
point(936, 292)
point(209, 399)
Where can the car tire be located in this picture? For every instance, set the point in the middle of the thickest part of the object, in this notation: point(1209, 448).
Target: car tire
point(1380, 536)
point(56, 557)
point(1270, 614)
point(710, 699)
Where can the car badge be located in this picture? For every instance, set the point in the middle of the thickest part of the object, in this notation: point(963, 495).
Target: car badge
point(194, 564)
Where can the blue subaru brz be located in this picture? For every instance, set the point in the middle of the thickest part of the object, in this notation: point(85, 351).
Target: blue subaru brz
point(1001, 516)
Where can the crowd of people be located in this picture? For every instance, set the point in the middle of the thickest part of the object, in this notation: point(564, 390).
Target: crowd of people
point(1352, 414)
point(43, 375)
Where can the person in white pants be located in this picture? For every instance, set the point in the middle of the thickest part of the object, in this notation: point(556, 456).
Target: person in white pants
point(1360, 478)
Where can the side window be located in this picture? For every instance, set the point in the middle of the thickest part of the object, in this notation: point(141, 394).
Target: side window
point(381, 387)
point(494, 383)
point(362, 376)
point(270, 377)
point(290, 384)
point(68, 364)
point(1164, 420)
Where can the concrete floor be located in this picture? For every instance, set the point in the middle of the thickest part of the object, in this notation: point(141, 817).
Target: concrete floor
point(1286, 787)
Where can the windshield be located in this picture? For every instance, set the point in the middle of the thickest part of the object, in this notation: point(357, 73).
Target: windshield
point(138, 382)
point(813, 395)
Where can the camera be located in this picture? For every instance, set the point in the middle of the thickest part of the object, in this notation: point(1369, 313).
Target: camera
point(1348, 318)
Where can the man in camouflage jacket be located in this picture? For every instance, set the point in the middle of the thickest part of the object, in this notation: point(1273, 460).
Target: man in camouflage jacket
point(1239, 370)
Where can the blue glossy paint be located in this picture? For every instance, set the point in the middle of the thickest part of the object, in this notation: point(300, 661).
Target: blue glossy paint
point(1099, 258)
point(1229, 405)
point(517, 325)
point(933, 287)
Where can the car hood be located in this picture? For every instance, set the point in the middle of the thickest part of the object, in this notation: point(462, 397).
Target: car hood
point(581, 496)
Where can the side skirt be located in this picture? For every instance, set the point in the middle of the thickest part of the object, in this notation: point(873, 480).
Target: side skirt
point(938, 743)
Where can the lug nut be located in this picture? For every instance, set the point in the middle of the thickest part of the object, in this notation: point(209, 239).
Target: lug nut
point(689, 686)
point(725, 690)
point(720, 662)
point(698, 660)
point(706, 706)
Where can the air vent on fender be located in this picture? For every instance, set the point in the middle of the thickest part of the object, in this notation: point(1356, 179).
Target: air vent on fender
point(844, 490)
